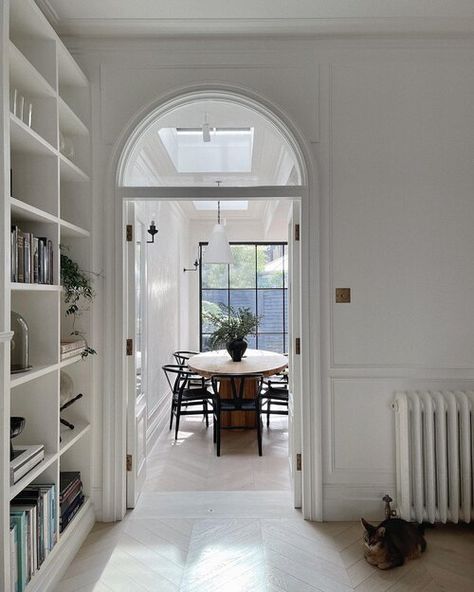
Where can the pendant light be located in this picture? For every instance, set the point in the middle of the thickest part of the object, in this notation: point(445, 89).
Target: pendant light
point(218, 249)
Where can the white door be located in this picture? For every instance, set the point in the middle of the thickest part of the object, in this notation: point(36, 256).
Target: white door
point(136, 355)
point(294, 358)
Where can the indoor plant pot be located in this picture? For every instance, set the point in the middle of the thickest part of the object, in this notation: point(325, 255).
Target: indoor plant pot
point(231, 327)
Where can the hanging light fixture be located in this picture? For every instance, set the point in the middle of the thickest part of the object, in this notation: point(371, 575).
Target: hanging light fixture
point(206, 130)
point(218, 249)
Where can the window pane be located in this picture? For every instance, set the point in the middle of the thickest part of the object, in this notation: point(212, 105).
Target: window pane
point(251, 340)
point(243, 299)
point(286, 310)
point(205, 343)
point(214, 275)
point(210, 303)
point(271, 342)
point(270, 309)
point(242, 271)
point(270, 265)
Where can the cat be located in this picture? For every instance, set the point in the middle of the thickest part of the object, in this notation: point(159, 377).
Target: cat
point(392, 542)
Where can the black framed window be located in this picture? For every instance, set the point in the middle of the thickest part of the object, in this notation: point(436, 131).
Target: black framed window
point(257, 280)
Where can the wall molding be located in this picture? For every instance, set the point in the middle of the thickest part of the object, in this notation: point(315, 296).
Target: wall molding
point(157, 421)
point(345, 501)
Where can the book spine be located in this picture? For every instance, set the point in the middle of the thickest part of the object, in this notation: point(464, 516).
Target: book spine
point(13, 558)
point(35, 261)
point(50, 263)
point(27, 257)
point(20, 242)
point(14, 255)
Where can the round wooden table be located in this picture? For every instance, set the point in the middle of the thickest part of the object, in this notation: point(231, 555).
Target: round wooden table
point(255, 361)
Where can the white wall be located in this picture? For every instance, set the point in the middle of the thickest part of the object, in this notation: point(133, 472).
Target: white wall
point(390, 126)
point(167, 302)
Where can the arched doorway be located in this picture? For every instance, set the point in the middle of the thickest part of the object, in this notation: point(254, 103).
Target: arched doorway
point(133, 182)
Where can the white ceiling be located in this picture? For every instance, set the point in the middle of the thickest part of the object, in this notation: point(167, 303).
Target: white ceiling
point(272, 161)
point(262, 17)
point(255, 211)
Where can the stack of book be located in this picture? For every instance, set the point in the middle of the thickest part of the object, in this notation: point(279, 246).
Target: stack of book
point(25, 458)
point(70, 349)
point(33, 531)
point(71, 497)
point(31, 258)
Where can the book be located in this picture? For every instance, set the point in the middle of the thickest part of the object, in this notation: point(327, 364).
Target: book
point(26, 457)
point(20, 244)
point(67, 481)
point(72, 345)
point(73, 510)
point(13, 557)
point(19, 520)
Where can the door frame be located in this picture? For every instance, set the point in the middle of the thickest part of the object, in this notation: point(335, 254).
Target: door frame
point(115, 395)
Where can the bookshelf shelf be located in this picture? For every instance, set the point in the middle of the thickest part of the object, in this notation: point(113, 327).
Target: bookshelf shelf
point(23, 212)
point(70, 437)
point(24, 76)
point(71, 230)
point(71, 361)
point(33, 474)
point(34, 287)
point(33, 374)
point(43, 195)
point(24, 139)
point(70, 171)
point(69, 122)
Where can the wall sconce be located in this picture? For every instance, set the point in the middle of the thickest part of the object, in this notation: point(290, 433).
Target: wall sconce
point(152, 230)
point(195, 268)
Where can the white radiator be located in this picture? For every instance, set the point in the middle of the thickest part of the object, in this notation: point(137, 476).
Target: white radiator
point(435, 456)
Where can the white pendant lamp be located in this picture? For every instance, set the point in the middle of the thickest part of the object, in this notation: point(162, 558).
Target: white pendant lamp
point(218, 249)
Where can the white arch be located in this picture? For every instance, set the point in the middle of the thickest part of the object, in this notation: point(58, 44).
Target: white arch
point(114, 432)
point(151, 114)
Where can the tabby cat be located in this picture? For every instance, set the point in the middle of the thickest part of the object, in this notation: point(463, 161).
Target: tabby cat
point(392, 542)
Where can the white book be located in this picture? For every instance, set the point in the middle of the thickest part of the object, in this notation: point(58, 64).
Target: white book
point(13, 558)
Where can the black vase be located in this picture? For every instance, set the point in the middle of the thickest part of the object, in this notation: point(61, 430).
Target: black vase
point(236, 349)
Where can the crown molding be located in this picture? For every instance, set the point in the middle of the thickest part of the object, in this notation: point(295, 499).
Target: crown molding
point(241, 27)
point(49, 12)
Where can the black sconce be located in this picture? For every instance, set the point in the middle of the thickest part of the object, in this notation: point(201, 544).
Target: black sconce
point(196, 266)
point(152, 230)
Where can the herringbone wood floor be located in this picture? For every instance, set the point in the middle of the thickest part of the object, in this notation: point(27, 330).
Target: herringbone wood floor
point(205, 524)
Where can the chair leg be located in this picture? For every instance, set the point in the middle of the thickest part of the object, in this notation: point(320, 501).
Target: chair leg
point(204, 406)
point(218, 433)
point(268, 412)
point(259, 433)
point(178, 414)
point(172, 412)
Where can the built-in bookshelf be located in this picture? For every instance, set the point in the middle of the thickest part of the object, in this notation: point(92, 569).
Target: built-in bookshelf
point(46, 197)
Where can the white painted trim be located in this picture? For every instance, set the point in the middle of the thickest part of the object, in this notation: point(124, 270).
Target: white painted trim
point(6, 336)
point(157, 421)
point(222, 193)
point(114, 402)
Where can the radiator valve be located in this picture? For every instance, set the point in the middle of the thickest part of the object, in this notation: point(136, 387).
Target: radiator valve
point(389, 513)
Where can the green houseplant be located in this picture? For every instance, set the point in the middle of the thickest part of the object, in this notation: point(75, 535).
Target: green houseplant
point(78, 294)
point(232, 326)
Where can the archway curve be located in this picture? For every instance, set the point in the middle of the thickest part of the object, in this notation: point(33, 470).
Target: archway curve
point(114, 432)
point(152, 113)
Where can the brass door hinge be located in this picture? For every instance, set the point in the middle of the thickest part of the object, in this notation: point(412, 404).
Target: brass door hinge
point(298, 462)
point(298, 346)
point(129, 462)
point(129, 347)
point(129, 233)
point(297, 232)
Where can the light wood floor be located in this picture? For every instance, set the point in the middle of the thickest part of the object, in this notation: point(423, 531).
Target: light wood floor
point(205, 524)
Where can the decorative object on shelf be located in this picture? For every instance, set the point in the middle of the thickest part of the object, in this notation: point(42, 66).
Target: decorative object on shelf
point(17, 425)
point(19, 345)
point(232, 326)
point(152, 230)
point(28, 113)
point(70, 348)
point(13, 100)
point(66, 146)
point(77, 286)
point(67, 396)
point(218, 249)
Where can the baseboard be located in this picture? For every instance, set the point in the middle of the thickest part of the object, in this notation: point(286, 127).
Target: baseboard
point(57, 562)
point(157, 421)
point(351, 502)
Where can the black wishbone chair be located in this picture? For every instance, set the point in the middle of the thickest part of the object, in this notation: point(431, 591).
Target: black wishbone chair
point(275, 396)
point(236, 402)
point(182, 356)
point(188, 391)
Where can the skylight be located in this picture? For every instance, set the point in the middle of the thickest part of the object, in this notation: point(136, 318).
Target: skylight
point(229, 151)
point(225, 205)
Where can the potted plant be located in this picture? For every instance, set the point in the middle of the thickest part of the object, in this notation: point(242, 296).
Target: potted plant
point(232, 326)
point(77, 287)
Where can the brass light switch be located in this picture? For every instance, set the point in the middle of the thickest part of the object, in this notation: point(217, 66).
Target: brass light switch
point(343, 295)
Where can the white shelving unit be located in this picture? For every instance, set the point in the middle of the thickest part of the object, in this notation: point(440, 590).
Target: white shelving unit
point(49, 195)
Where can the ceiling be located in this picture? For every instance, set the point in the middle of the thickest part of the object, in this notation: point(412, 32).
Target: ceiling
point(153, 163)
point(259, 17)
point(256, 210)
